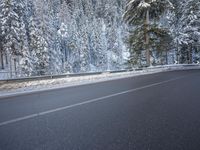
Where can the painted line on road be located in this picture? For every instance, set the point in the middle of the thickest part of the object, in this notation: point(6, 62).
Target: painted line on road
point(84, 103)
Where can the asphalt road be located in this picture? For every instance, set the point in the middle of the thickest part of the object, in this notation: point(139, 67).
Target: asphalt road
point(151, 112)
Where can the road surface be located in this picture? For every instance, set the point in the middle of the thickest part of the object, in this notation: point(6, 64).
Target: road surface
point(151, 112)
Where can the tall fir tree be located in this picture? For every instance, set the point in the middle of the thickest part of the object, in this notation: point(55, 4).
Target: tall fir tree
point(143, 14)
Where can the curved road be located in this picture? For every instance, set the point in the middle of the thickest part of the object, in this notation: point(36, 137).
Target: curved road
point(151, 112)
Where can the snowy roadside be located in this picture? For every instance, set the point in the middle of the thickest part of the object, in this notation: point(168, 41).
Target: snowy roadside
point(18, 88)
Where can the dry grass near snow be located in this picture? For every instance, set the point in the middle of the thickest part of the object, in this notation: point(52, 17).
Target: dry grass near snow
point(11, 87)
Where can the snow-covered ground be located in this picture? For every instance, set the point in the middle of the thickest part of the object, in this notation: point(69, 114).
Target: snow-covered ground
point(4, 74)
point(15, 88)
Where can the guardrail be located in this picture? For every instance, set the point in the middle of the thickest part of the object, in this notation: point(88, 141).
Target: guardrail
point(46, 77)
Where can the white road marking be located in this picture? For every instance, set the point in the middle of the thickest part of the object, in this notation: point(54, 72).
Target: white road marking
point(83, 103)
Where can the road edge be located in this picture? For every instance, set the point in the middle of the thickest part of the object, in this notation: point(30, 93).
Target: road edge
point(57, 87)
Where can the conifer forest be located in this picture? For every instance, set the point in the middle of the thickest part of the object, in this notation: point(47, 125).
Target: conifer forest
point(43, 37)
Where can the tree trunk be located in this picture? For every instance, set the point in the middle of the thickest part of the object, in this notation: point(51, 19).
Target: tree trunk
point(146, 25)
point(190, 54)
point(10, 66)
point(15, 66)
point(6, 58)
point(177, 53)
point(2, 61)
point(166, 55)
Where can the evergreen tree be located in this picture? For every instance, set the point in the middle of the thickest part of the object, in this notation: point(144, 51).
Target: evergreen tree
point(39, 48)
point(13, 29)
point(142, 14)
point(190, 28)
point(185, 29)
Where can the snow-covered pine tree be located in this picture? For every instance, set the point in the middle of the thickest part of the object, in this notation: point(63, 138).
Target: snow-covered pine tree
point(190, 29)
point(100, 42)
point(41, 38)
point(141, 14)
point(68, 33)
point(13, 30)
point(38, 47)
point(39, 51)
point(83, 40)
point(25, 62)
point(55, 43)
point(116, 34)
